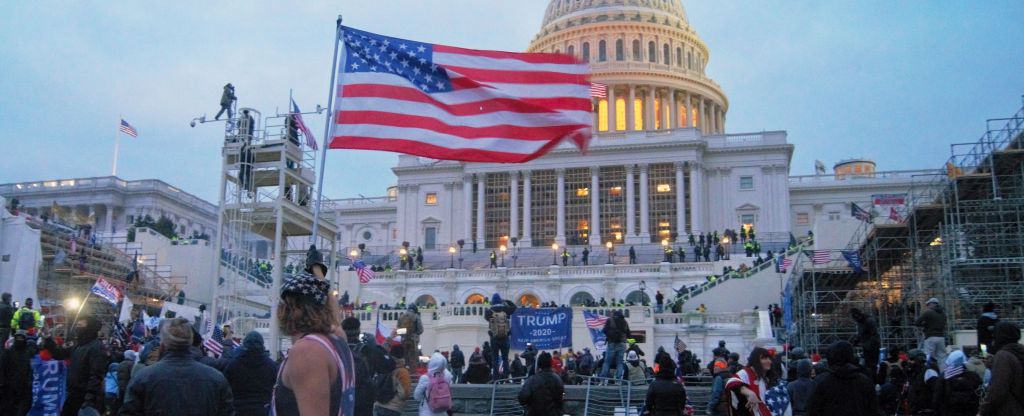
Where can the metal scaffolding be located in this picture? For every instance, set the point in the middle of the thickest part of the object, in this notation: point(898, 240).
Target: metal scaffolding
point(960, 239)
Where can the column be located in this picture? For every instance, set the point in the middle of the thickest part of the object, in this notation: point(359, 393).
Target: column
point(630, 207)
point(674, 117)
point(480, 239)
point(611, 108)
point(527, 239)
point(666, 110)
point(110, 220)
point(687, 118)
point(630, 125)
point(513, 215)
point(701, 121)
point(595, 207)
point(696, 198)
point(680, 200)
point(467, 207)
point(645, 228)
point(649, 109)
point(718, 118)
point(560, 207)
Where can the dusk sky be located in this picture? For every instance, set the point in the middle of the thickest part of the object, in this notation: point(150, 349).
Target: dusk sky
point(896, 82)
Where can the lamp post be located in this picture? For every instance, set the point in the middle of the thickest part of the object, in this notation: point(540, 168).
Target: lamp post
point(502, 249)
point(664, 248)
point(643, 292)
point(451, 251)
point(611, 254)
point(402, 252)
point(460, 243)
point(554, 254)
point(728, 246)
point(515, 251)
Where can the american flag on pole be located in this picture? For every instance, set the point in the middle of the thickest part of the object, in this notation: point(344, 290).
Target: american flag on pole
point(860, 213)
point(821, 257)
point(594, 321)
point(679, 344)
point(598, 90)
point(451, 103)
point(301, 124)
point(782, 264)
point(128, 129)
point(214, 340)
point(365, 273)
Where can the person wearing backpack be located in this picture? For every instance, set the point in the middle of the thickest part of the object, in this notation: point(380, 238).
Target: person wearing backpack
point(433, 391)
point(585, 367)
point(458, 362)
point(413, 326)
point(27, 319)
point(393, 388)
point(500, 330)
point(542, 393)
point(616, 330)
point(365, 358)
point(958, 387)
point(1004, 396)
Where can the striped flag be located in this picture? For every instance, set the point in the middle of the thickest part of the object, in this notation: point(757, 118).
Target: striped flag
point(860, 213)
point(301, 124)
point(594, 321)
point(107, 291)
point(782, 264)
point(365, 273)
point(595, 324)
point(451, 103)
point(679, 344)
point(128, 129)
point(598, 90)
point(821, 257)
point(214, 340)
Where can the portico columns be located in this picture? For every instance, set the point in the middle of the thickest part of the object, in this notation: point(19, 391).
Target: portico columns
point(645, 229)
point(110, 220)
point(560, 210)
point(467, 206)
point(666, 110)
point(696, 198)
point(701, 121)
point(649, 109)
point(630, 108)
point(680, 200)
point(612, 114)
point(674, 116)
point(527, 238)
point(688, 117)
point(480, 239)
point(595, 207)
point(630, 207)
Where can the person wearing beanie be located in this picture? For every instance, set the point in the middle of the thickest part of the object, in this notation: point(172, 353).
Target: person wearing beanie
point(178, 384)
point(542, 394)
point(636, 371)
point(499, 328)
point(933, 323)
point(401, 382)
point(16, 376)
point(413, 326)
point(1003, 398)
point(800, 388)
point(845, 389)
point(88, 369)
point(986, 324)
point(251, 375)
point(665, 396)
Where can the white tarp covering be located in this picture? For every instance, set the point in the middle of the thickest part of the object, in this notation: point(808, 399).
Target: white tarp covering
point(20, 257)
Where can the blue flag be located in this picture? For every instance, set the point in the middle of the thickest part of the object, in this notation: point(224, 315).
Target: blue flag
point(49, 378)
point(546, 329)
point(853, 259)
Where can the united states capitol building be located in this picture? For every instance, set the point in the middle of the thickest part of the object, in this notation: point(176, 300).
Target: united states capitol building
point(662, 166)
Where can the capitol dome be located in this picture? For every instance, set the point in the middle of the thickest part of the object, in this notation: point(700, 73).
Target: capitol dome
point(646, 53)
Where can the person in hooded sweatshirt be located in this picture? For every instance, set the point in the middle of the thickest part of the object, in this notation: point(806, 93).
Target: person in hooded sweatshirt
point(251, 375)
point(478, 372)
point(1003, 398)
point(636, 372)
point(436, 366)
point(665, 396)
point(16, 376)
point(88, 369)
point(458, 361)
point(542, 394)
point(844, 390)
point(401, 382)
point(986, 323)
point(957, 395)
point(800, 388)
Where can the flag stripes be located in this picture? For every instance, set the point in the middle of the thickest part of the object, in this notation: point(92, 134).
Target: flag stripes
point(128, 129)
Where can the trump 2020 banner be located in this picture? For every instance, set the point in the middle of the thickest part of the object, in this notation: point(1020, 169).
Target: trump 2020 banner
point(546, 329)
point(48, 392)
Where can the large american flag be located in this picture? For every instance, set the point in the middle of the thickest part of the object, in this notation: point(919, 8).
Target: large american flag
point(301, 124)
point(128, 129)
point(594, 321)
point(821, 257)
point(214, 340)
point(365, 273)
point(451, 103)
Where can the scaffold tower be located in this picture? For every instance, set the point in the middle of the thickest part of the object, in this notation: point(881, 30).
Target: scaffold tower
point(266, 195)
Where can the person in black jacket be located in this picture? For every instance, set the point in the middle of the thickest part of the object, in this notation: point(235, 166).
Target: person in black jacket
point(986, 322)
point(6, 315)
point(88, 369)
point(868, 339)
point(800, 389)
point(844, 389)
point(251, 375)
point(500, 342)
point(616, 330)
point(16, 376)
point(542, 393)
point(458, 363)
point(665, 396)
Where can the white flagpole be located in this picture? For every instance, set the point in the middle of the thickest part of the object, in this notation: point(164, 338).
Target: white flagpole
point(117, 144)
point(328, 128)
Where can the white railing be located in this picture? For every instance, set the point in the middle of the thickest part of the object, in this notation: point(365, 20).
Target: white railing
point(605, 270)
point(845, 178)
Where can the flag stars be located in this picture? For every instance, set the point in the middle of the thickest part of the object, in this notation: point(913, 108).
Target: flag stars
point(355, 66)
point(393, 55)
point(421, 49)
point(402, 46)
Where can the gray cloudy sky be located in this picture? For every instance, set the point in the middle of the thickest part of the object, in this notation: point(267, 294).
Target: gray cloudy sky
point(893, 81)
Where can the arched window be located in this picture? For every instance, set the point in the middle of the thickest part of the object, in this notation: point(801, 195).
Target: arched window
point(620, 50)
point(425, 300)
point(689, 60)
point(602, 53)
point(637, 51)
point(586, 51)
point(475, 299)
point(638, 297)
point(665, 56)
point(528, 300)
point(652, 52)
point(679, 56)
point(581, 298)
point(571, 50)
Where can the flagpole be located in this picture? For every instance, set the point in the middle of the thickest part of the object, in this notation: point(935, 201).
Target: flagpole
point(117, 144)
point(328, 123)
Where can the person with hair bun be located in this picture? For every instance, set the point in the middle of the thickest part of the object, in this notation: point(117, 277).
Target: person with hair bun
point(318, 377)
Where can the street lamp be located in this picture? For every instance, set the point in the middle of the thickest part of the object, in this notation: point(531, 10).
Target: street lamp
point(554, 254)
point(460, 243)
point(728, 247)
point(643, 291)
point(502, 249)
point(611, 254)
point(402, 252)
point(451, 250)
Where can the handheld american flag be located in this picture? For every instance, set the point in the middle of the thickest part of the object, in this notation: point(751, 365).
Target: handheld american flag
point(301, 124)
point(214, 340)
point(364, 273)
point(451, 103)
